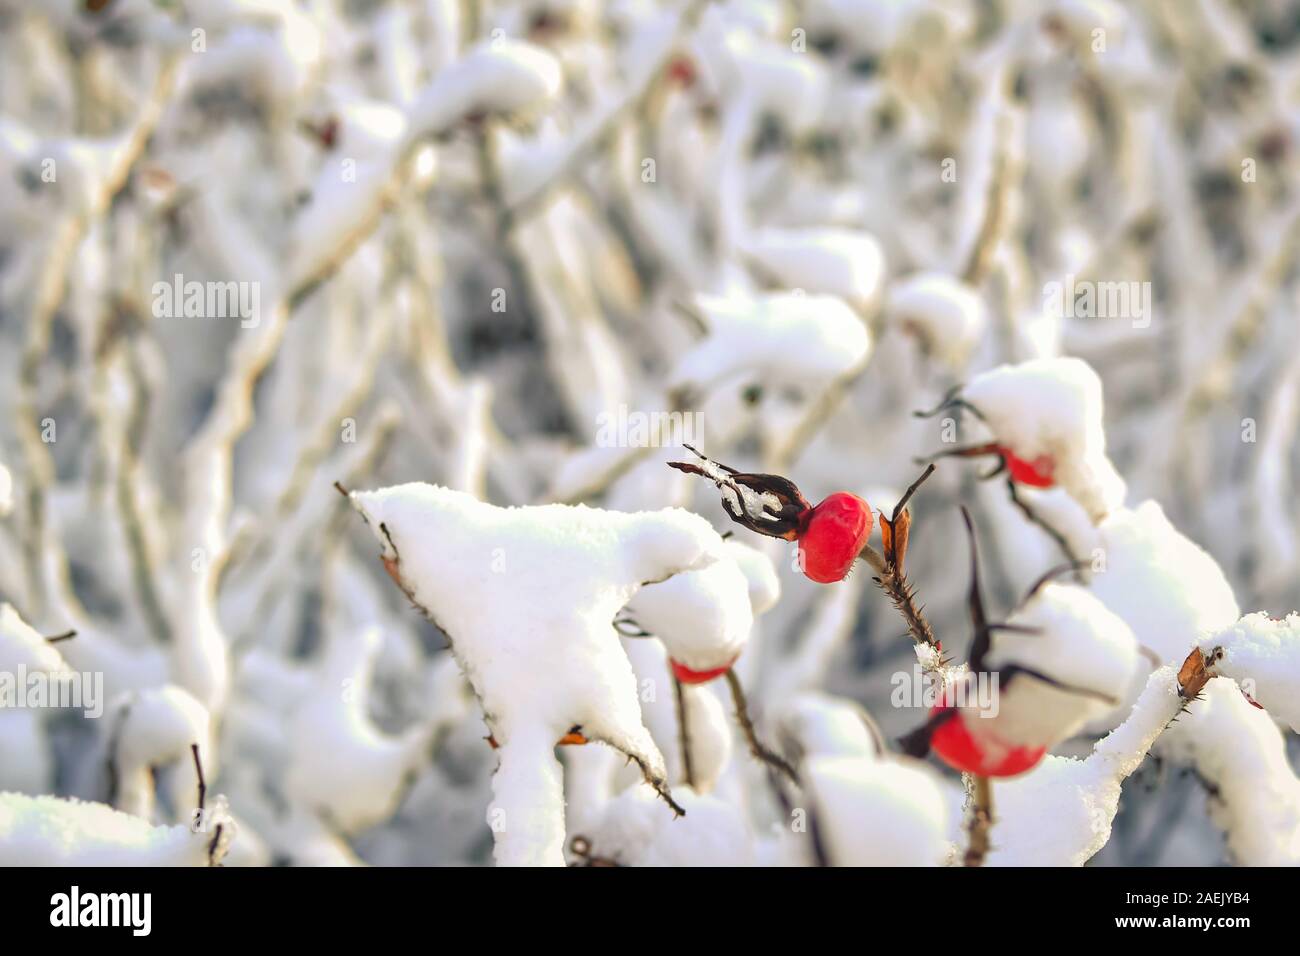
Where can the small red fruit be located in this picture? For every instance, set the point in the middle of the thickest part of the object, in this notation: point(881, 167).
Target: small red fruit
point(833, 537)
point(955, 746)
point(681, 72)
point(1039, 473)
point(688, 676)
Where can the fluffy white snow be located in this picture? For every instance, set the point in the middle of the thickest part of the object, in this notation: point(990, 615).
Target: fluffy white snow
point(847, 263)
point(153, 729)
point(1165, 586)
point(947, 314)
point(708, 720)
point(1079, 643)
point(21, 646)
point(499, 77)
point(1060, 813)
point(705, 617)
point(527, 597)
point(350, 185)
point(340, 764)
point(820, 725)
point(635, 831)
point(777, 338)
point(889, 812)
point(1053, 407)
point(1174, 596)
point(1237, 750)
point(770, 77)
point(53, 831)
point(1263, 655)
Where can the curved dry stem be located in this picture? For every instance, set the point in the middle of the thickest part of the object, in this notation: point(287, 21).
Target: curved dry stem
point(684, 733)
point(980, 821)
point(1034, 517)
point(756, 747)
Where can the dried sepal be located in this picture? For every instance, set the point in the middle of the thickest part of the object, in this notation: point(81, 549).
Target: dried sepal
point(766, 504)
point(1194, 674)
point(893, 534)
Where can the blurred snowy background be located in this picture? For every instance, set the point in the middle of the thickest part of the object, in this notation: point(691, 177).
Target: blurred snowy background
point(451, 241)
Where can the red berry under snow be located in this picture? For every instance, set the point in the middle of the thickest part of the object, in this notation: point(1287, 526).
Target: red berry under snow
point(955, 746)
point(688, 676)
point(1039, 473)
point(833, 537)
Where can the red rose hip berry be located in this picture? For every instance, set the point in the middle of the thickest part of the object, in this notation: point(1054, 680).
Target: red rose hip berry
point(953, 744)
point(1039, 473)
point(688, 676)
point(833, 537)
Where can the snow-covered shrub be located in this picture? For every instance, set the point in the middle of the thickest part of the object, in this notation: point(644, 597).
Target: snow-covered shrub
point(488, 269)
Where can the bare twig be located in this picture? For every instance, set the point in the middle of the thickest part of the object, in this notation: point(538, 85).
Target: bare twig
point(203, 784)
point(684, 732)
point(1034, 517)
point(50, 292)
point(981, 821)
point(767, 756)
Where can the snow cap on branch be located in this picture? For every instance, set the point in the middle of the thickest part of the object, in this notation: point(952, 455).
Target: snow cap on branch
point(946, 314)
point(636, 832)
point(1075, 641)
point(1164, 585)
point(888, 812)
point(704, 617)
point(21, 646)
point(1053, 408)
point(1237, 750)
point(528, 596)
point(500, 77)
point(820, 725)
point(54, 831)
point(1266, 653)
point(847, 263)
point(155, 728)
point(340, 764)
point(787, 338)
point(1060, 813)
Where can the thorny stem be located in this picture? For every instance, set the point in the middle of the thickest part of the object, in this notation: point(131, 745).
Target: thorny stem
point(891, 579)
point(683, 732)
point(903, 594)
point(661, 786)
point(756, 748)
point(981, 821)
